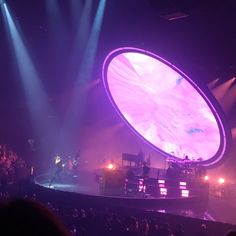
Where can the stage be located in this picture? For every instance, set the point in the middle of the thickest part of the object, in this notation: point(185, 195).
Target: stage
point(110, 184)
point(84, 188)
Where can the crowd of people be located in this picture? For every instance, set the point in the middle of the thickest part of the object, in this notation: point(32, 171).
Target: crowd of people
point(109, 222)
point(34, 216)
point(13, 169)
point(48, 212)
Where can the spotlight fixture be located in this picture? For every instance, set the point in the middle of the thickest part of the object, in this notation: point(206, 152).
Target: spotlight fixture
point(221, 180)
point(172, 10)
point(185, 193)
point(206, 177)
point(111, 166)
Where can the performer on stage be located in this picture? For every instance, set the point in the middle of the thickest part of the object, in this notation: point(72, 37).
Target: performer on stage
point(58, 165)
point(75, 163)
point(173, 171)
point(140, 157)
point(146, 170)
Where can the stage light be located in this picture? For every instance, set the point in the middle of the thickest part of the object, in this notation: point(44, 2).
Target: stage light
point(85, 69)
point(185, 193)
point(111, 166)
point(182, 185)
point(229, 99)
point(161, 211)
point(83, 27)
point(213, 83)
point(141, 186)
point(53, 9)
point(221, 180)
point(92, 43)
point(171, 10)
point(233, 131)
point(32, 171)
point(221, 90)
point(82, 13)
point(36, 97)
point(161, 183)
point(163, 191)
point(206, 178)
point(75, 10)
point(2, 2)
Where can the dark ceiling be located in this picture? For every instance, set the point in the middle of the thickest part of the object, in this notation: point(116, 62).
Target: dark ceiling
point(202, 44)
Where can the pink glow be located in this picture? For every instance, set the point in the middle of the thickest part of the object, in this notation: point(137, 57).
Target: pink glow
point(161, 105)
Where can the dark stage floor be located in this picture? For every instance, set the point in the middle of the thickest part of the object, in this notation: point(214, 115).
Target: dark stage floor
point(85, 183)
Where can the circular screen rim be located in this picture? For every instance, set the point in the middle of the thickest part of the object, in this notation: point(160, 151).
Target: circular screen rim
point(208, 99)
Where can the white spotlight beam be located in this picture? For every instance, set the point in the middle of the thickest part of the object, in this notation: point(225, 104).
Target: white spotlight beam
point(33, 89)
point(213, 83)
point(221, 90)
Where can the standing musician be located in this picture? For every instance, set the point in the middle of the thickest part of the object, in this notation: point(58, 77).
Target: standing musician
point(140, 157)
point(58, 165)
point(174, 170)
point(145, 177)
point(146, 170)
point(75, 163)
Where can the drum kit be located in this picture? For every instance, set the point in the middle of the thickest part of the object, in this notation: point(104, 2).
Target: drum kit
point(185, 167)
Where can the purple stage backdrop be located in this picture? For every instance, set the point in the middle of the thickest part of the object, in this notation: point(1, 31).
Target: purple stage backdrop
point(164, 106)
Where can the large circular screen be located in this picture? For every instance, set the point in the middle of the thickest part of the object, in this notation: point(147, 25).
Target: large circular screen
point(163, 106)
